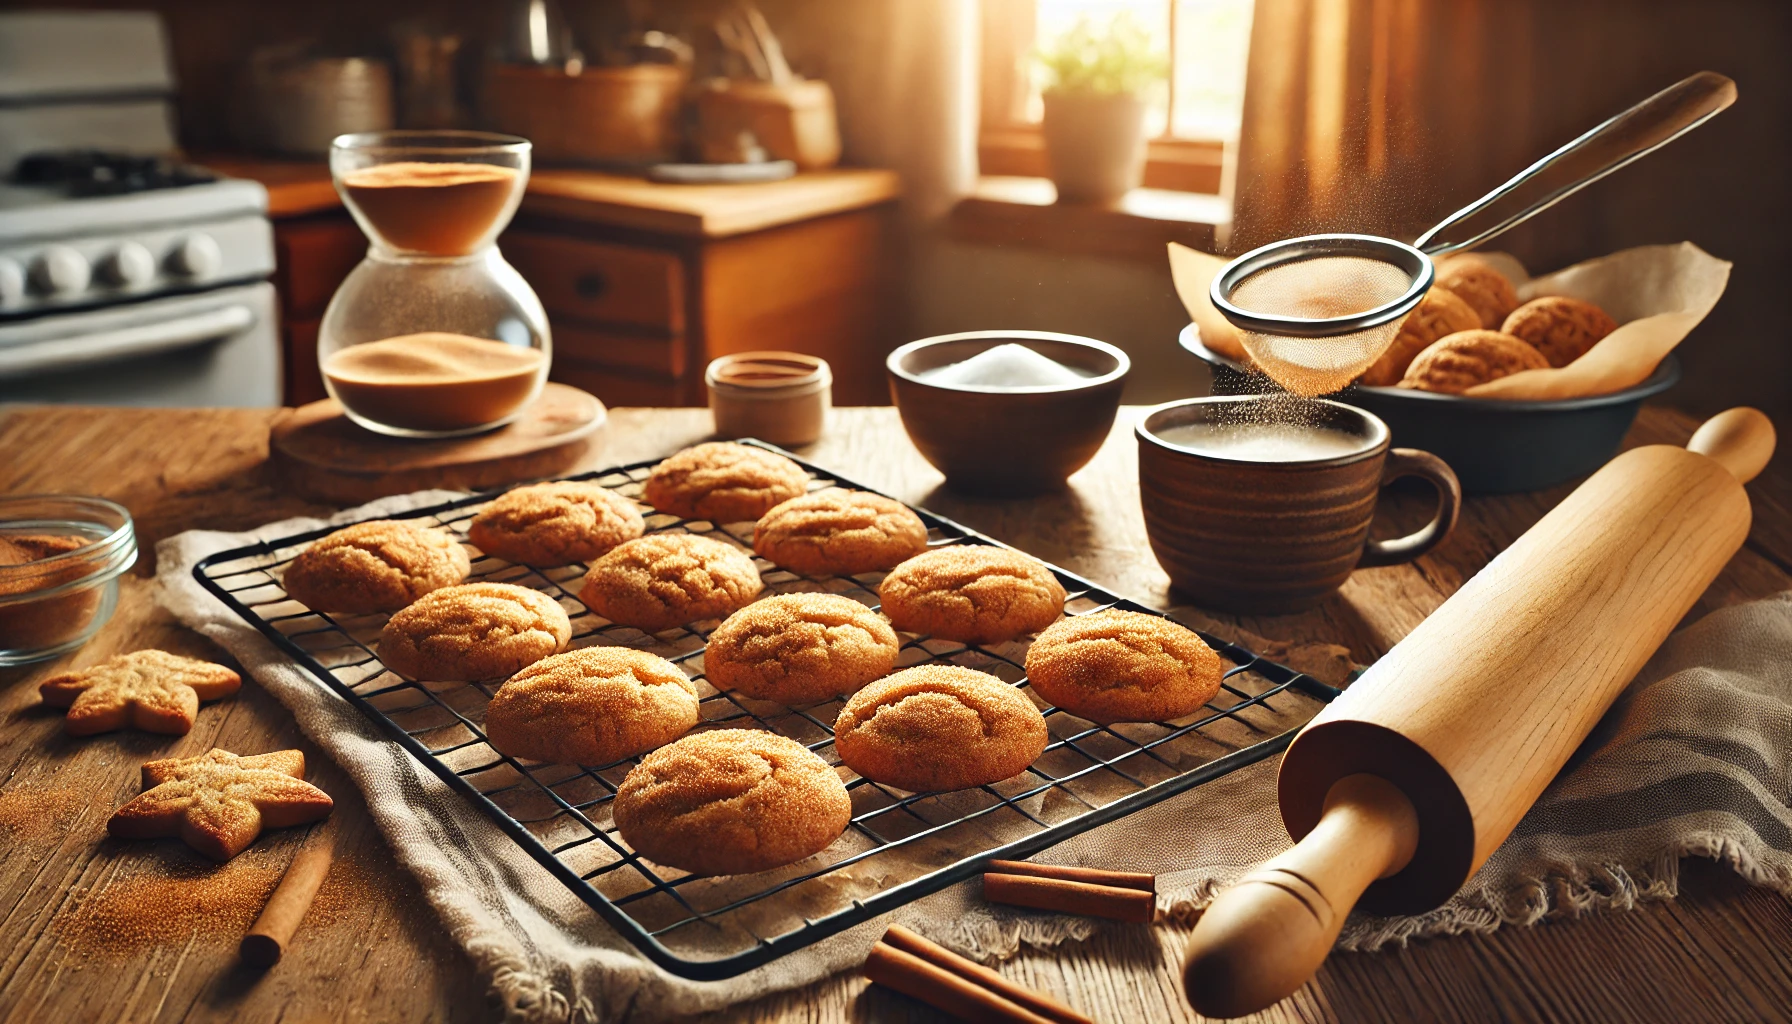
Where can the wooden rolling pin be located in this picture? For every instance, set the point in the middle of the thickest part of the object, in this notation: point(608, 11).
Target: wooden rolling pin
point(1403, 786)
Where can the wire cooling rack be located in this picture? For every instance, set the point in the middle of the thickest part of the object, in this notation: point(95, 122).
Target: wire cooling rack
point(899, 847)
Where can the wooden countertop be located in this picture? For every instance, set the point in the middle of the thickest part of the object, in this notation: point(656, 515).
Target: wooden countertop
point(297, 188)
point(95, 929)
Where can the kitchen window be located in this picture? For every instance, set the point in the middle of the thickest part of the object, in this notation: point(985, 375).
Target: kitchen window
point(1191, 118)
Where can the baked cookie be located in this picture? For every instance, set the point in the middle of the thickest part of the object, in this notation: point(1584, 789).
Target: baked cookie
point(1460, 361)
point(800, 648)
point(555, 523)
point(723, 482)
point(474, 632)
point(840, 532)
point(377, 566)
point(1476, 282)
point(668, 579)
point(149, 690)
point(219, 802)
point(938, 727)
point(1117, 666)
point(591, 706)
point(972, 593)
point(1439, 313)
point(1561, 328)
point(730, 802)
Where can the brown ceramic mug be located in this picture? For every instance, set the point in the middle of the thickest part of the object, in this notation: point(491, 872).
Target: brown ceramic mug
point(1276, 536)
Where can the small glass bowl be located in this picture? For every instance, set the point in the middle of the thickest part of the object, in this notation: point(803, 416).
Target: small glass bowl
point(57, 593)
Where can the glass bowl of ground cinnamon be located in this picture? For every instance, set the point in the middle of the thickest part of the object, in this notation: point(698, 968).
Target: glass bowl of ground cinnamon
point(60, 559)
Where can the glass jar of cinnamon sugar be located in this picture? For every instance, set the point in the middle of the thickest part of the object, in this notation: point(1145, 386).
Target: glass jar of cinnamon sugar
point(60, 559)
point(434, 334)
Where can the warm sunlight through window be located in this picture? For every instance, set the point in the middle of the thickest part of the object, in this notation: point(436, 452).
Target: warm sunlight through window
point(1205, 40)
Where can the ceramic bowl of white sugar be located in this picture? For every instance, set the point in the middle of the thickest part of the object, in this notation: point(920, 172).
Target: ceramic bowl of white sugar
point(1007, 412)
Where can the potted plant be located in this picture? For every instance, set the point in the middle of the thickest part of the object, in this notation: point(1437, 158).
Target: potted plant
point(1094, 109)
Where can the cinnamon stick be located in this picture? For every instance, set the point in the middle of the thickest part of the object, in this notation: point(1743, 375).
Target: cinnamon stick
point(943, 990)
point(1095, 876)
point(1109, 901)
point(939, 956)
point(267, 939)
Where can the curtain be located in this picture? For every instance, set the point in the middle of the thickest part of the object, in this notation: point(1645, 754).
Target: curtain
point(1379, 116)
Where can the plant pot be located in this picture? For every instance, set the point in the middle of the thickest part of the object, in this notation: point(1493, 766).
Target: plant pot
point(1095, 144)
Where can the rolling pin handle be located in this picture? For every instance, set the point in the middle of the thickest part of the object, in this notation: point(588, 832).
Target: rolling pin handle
point(1263, 938)
point(1740, 439)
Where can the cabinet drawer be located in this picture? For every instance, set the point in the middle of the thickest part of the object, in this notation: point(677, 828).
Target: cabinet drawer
point(589, 281)
point(314, 256)
point(662, 357)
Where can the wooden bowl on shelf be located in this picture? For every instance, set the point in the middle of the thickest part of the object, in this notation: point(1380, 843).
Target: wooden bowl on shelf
point(1007, 441)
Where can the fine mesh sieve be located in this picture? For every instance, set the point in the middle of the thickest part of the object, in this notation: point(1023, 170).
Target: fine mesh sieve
point(1315, 312)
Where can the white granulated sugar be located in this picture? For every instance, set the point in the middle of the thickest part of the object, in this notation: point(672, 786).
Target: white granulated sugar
point(1005, 366)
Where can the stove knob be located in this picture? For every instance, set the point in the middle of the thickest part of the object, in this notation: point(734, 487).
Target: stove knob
point(60, 270)
point(196, 255)
point(128, 266)
point(12, 281)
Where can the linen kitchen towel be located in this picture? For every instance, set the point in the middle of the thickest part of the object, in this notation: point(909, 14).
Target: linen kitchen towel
point(1692, 760)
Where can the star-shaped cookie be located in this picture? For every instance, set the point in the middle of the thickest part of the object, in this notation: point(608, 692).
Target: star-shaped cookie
point(219, 802)
point(149, 690)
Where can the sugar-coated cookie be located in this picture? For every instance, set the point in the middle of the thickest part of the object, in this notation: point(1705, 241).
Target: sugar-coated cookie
point(939, 727)
point(1438, 314)
point(153, 691)
point(555, 523)
point(591, 706)
point(473, 632)
point(1561, 328)
point(1119, 666)
point(837, 531)
point(799, 648)
point(972, 593)
point(723, 482)
point(377, 566)
point(1476, 282)
point(1455, 363)
point(730, 802)
point(218, 802)
point(670, 579)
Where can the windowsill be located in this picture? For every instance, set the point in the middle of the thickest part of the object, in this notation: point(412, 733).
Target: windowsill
point(1020, 211)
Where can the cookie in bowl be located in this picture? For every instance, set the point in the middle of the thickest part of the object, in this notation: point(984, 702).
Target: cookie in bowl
point(1562, 328)
point(1477, 282)
point(1440, 313)
point(1462, 360)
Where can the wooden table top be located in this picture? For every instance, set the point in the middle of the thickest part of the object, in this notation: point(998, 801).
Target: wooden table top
point(300, 187)
point(92, 928)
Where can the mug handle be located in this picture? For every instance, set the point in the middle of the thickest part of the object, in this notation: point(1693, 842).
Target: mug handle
point(1412, 462)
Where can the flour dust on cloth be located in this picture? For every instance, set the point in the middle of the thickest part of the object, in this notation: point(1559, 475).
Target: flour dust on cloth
point(1692, 761)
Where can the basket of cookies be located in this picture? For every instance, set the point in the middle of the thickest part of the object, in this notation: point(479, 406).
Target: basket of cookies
point(737, 704)
point(1519, 383)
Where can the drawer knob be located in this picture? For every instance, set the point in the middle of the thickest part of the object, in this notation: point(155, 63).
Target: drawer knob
point(590, 286)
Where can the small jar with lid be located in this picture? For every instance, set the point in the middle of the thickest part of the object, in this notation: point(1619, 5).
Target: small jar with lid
point(780, 397)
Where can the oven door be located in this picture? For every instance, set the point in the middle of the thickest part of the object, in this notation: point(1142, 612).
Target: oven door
point(217, 348)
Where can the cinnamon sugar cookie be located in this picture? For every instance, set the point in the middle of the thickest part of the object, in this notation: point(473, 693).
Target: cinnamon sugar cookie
point(377, 566)
point(668, 579)
point(799, 648)
point(555, 523)
point(1462, 360)
point(837, 531)
point(149, 690)
point(1119, 666)
point(939, 727)
point(1561, 328)
point(219, 802)
point(731, 801)
point(723, 482)
point(591, 706)
point(1438, 314)
point(473, 632)
point(972, 593)
point(1476, 282)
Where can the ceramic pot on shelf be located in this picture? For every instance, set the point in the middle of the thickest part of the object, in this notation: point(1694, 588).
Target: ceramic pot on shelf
point(1094, 144)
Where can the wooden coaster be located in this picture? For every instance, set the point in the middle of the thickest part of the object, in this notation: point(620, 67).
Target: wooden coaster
point(319, 453)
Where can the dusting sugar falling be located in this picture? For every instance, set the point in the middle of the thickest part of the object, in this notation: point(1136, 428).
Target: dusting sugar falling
point(1320, 288)
point(1005, 366)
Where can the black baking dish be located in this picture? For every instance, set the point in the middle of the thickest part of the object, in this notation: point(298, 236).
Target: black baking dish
point(1495, 446)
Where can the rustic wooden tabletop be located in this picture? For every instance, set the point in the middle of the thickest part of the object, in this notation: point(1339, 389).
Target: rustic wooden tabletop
point(94, 929)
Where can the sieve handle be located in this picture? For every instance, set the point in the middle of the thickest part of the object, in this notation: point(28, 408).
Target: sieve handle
point(1636, 132)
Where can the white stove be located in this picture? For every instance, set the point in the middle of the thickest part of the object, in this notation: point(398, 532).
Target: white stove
point(126, 277)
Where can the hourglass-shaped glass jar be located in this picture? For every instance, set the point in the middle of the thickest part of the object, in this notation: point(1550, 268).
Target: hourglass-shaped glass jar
point(433, 335)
